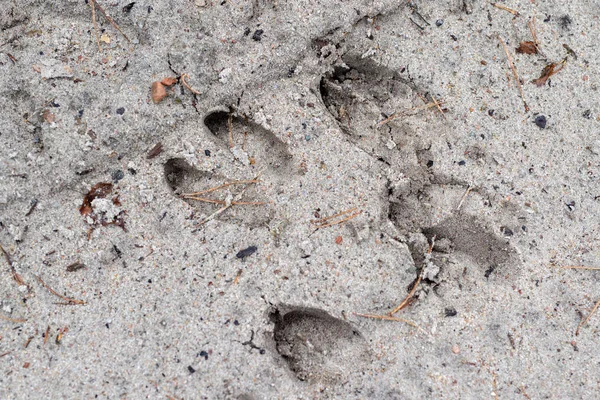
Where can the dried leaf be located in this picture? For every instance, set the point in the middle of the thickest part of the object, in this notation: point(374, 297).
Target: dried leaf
point(547, 72)
point(158, 92)
point(99, 190)
point(170, 81)
point(527, 48)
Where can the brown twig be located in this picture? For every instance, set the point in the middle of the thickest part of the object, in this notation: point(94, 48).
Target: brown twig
point(2, 317)
point(185, 195)
point(435, 103)
point(387, 318)
point(494, 384)
point(532, 29)
point(47, 334)
point(68, 300)
point(93, 5)
point(463, 198)
point(188, 87)
point(15, 275)
point(510, 10)
point(514, 71)
point(585, 321)
point(5, 354)
point(410, 295)
point(109, 19)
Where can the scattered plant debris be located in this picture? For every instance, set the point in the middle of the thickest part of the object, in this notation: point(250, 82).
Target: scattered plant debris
point(548, 71)
point(527, 48)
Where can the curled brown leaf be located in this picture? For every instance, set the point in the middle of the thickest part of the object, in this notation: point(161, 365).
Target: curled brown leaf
point(527, 48)
point(158, 92)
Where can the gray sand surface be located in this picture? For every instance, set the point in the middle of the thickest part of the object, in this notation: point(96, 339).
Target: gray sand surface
point(326, 106)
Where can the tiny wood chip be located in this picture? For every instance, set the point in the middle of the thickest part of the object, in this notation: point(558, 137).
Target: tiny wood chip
point(527, 48)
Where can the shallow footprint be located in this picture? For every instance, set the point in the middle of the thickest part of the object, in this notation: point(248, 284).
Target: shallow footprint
point(317, 346)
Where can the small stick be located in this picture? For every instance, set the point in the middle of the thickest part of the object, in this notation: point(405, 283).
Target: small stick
point(17, 320)
point(233, 203)
point(237, 277)
point(188, 87)
point(93, 5)
point(340, 221)
point(524, 392)
point(15, 275)
point(230, 128)
point(69, 300)
point(494, 384)
point(5, 354)
point(588, 318)
point(419, 26)
point(386, 318)
point(47, 334)
point(112, 22)
point(185, 195)
point(462, 200)
point(410, 295)
point(438, 106)
point(322, 220)
point(239, 196)
point(531, 25)
point(514, 71)
point(580, 267)
point(510, 10)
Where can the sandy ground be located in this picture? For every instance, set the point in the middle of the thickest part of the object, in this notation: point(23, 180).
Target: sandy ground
point(355, 187)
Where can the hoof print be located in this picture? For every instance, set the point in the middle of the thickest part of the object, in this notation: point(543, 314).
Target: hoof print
point(317, 346)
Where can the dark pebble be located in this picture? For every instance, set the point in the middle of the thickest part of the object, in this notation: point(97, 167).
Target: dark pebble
point(257, 35)
point(454, 38)
point(54, 104)
point(132, 171)
point(80, 113)
point(429, 163)
point(207, 153)
point(128, 7)
point(236, 322)
point(462, 162)
point(439, 22)
point(121, 110)
point(191, 369)
point(540, 121)
point(506, 231)
point(587, 114)
point(262, 351)
point(450, 312)
point(571, 205)
point(488, 272)
point(246, 252)
point(203, 354)
point(247, 31)
point(117, 175)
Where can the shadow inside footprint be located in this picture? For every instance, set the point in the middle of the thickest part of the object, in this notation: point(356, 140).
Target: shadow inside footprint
point(250, 143)
point(317, 346)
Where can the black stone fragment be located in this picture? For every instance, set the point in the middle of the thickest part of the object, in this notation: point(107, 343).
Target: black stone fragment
point(191, 369)
point(439, 22)
point(246, 252)
point(128, 7)
point(121, 110)
point(540, 121)
point(117, 175)
point(450, 312)
point(257, 35)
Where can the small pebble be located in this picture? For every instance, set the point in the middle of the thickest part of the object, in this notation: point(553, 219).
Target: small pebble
point(439, 22)
point(121, 110)
point(455, 349)
point(191, 369)
point(117, 175)
point(207, 153)
point(540, 121)
point(246, 252)
point(257, 35)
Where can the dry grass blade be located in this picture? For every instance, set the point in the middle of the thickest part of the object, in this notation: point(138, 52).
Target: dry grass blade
point(188, 87)
point(230, 128)
point(68, 300)
point(356, 214)
point(233, 203)
point(95, 23)
point(410, 295)
point(464, 197)
point(585, 321)
point(438, 106)
point(390, 318)
point(186, 195)
point(580, 267)
point(323, 220)
point(109, 19)
point(510, 10)
point(514, 71)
